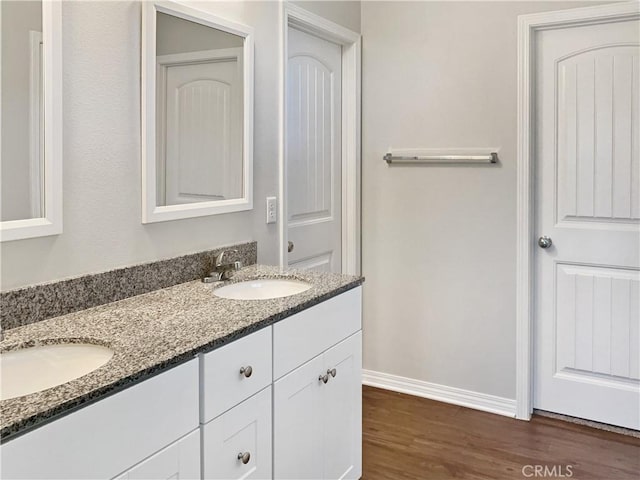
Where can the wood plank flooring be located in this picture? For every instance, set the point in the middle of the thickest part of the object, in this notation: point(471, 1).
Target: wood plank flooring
point(407, 437)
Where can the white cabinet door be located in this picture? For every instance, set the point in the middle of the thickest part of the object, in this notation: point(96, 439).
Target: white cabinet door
point(342, 403)
point(109, 436)
point(318, 425)
point(178, 461)
point(298, 422)
point(238, 435)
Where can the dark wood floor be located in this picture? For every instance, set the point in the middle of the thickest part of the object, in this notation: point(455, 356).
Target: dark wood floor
point(406, 437)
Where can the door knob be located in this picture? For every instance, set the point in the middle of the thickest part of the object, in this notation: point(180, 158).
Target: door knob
point(544, 242)
point(323, 378)
point(244, 457)
point(290, 246)
point(246, 371)
point(332, 371)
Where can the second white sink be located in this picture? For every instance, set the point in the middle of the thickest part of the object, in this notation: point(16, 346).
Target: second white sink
point(262, 289)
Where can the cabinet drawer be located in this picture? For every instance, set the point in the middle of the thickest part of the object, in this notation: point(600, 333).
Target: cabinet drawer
point(223, 384)
point(304, 335)
point(180, 460)
point(245, 429)
point(109, 436)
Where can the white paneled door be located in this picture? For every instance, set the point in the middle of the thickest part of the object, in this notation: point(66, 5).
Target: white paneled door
point(587, 338)
point(313, 152)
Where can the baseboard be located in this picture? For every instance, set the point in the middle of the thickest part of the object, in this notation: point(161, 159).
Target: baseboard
point(442, 393)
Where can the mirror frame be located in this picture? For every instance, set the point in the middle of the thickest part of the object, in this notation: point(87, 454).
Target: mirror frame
point(151, 211)
point(51, 222)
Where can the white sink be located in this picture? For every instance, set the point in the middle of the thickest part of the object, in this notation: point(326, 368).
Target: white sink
point(33, 369)
point(262, 289)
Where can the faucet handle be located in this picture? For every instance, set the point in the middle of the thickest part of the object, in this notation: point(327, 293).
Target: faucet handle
point(237, 265)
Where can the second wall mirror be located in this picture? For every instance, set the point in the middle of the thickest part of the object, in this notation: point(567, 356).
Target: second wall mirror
point(197, 113)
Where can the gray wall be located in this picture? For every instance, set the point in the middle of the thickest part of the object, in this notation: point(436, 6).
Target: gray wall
point(176, 35)
point(439, 243)
point(101, 114)
point(343, 12)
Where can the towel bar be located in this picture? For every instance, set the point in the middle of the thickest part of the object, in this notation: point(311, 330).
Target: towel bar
point(442, 159)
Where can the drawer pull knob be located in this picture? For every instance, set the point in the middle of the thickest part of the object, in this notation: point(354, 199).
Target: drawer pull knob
point(323, 378)
point(333, 372)
point(246, 371)
point(244, 457)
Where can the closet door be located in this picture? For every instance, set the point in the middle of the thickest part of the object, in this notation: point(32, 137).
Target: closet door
point(587, 330)
point(314, 152)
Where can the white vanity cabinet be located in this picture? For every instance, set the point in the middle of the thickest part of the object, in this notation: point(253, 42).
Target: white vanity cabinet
point(107, 438)
point(282, 402)
point(318, 405)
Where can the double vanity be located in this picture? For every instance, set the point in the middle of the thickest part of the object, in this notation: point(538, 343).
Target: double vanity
point(147, 371)
point(258, 377)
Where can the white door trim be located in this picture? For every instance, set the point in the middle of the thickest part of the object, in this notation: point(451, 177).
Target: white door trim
point(528, 25)
point(292, 15)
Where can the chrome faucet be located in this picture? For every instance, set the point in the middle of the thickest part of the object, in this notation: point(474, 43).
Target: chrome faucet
point(223, 271)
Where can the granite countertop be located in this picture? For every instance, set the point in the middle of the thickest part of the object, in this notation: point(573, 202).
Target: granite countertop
point(150, 333)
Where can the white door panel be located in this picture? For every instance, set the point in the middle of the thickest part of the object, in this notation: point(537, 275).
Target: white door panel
point(199, 103)
point(587, 337)
point(598, 320)
point(319, 263)
point(314, 189)
point(597, 123)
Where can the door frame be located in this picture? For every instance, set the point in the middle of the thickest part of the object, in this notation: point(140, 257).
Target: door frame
point(293, 15)
point(528, 25)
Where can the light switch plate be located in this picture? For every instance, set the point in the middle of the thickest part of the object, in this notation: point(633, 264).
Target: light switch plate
point(272, 209)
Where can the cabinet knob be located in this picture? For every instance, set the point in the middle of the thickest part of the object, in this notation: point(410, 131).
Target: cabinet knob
point(333, 372)
point(246, 371)
point(323, 378)
point(244, 457)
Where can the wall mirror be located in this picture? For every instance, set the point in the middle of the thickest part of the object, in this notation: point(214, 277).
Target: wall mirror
point(30, 119)
point(197, 113)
